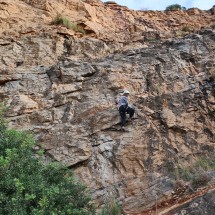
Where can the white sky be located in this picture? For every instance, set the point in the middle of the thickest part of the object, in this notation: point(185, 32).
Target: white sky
point(162, 4)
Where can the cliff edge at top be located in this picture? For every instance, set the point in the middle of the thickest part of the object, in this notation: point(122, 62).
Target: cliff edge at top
point(62, 83)
point(107, 21)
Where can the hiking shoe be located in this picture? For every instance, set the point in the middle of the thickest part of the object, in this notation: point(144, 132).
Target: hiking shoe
point(123, 128)
point(133, 118)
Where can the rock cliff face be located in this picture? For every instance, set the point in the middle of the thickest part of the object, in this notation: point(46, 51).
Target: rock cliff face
point(62, 85)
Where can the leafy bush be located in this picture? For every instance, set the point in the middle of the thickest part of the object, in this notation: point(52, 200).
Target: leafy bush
point(30, 187)
point(175, 7)
point(61, 20)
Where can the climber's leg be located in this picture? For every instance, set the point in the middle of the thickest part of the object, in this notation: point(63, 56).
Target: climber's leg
point(122, 111)
point(130, 111)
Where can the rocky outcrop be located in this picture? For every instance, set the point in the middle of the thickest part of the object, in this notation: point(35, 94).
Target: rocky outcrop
point(107, 21)
point(202, 205)
point(71, 108)
point(63, 86)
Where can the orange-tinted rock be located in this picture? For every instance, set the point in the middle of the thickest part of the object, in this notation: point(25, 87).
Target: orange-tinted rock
point(62, 84)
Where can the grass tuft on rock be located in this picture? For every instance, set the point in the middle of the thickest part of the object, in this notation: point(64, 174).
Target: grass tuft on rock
point(61, 20)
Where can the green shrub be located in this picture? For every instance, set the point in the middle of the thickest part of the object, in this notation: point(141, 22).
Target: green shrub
point(175, 7)
point(200, 180)
point(30, 187)
point(212, 162)
point(61, 20)
point(198, 172)
point(111, 207)
point(77, 28)
point(186, 173)
point(203, 163)
point(2, 121)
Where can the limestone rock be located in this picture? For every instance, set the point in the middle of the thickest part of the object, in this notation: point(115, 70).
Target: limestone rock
point(168, 117)
point(21, 104)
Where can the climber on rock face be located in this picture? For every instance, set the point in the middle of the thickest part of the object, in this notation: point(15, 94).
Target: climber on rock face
point(125, 108)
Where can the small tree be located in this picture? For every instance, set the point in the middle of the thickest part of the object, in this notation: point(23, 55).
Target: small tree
point(30, 187)
point(175, 7)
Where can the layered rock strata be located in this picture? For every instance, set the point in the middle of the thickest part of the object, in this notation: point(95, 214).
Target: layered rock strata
point(106, 21)
point(71, 107)
point(63, 86)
